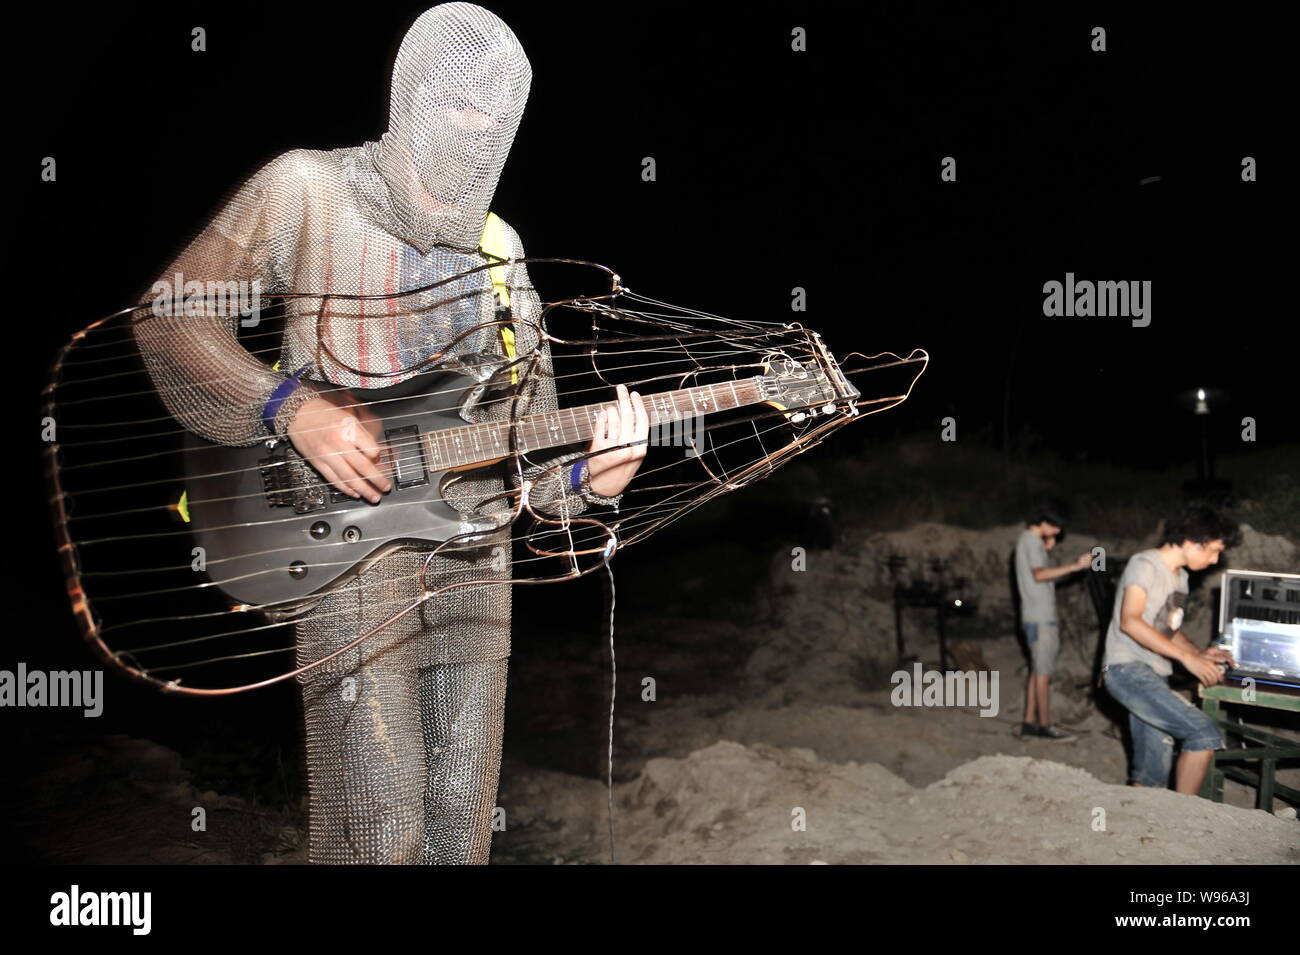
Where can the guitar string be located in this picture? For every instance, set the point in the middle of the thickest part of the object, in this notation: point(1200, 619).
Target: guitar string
point(650, 514)
point(295, 517)
point(579, 418)
point(460, 390)
point(298, 517)
point(517, 456)
point(482, 538)
point(407, 606)
point(796, 344)
point(394, 469)
point(382, 604)
point(532, 422)
point(623, 316)
point(680, 512)
point(453, 409)
point(652, 470)
point(244, 632)
point(391, 464)
point(453, 391)
point(605, 533)
point(275, 348)
point(593, 302)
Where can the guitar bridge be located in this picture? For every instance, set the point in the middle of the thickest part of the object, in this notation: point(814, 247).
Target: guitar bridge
point(290, 482)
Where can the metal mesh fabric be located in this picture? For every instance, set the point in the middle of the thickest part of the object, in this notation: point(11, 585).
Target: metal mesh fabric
point(403, 763)
point(459, 86)
point(402, 766)
point(360, 220)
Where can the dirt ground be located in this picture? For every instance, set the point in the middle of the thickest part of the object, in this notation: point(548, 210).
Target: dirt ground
point(879, 784)
point(772, 742)
point(801, 757)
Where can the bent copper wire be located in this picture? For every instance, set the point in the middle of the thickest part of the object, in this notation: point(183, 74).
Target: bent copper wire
point(583, 544)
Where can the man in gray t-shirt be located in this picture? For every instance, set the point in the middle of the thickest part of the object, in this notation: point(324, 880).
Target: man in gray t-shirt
point(1166, 600)
point(1145, 636)
point(1035, 581)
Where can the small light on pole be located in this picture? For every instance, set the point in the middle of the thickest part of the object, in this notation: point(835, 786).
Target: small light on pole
point(1201, 406)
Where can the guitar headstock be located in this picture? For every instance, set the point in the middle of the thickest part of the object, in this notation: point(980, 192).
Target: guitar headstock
point(804, 387)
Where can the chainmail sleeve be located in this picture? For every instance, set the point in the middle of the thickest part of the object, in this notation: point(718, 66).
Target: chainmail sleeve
point(210, 382)
point(552, 490)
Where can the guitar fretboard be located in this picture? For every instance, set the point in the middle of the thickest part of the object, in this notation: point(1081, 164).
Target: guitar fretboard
point(490, 441)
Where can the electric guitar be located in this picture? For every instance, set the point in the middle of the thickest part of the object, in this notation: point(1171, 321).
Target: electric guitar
point(273, 531)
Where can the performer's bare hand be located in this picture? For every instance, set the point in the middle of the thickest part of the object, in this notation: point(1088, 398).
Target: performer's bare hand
point(627, 422)
point(1083, 561)
point(337, 437)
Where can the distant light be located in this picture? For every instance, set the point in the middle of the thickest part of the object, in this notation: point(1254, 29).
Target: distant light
point(1200, 394)
point(957, 603)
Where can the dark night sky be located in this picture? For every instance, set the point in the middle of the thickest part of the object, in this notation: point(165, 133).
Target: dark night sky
point(776, 170)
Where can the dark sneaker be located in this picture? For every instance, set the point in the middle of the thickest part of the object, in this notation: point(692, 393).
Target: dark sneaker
point(1055, 733)
point(1030, 730)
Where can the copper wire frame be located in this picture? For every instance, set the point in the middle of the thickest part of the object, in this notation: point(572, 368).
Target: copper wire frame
point(608, 535)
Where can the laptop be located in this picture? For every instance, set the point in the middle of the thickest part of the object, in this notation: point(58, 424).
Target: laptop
point(1259, 624)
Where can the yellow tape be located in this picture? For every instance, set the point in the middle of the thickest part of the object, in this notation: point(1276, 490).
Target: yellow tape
point(494, 243)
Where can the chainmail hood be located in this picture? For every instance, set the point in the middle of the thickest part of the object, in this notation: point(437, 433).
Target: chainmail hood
point(459, 86)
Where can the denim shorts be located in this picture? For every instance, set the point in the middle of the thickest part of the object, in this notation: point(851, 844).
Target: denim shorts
point(1044, 641)
point(1156, 717)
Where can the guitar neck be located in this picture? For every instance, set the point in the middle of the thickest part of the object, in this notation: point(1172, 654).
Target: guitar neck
point(490, 441)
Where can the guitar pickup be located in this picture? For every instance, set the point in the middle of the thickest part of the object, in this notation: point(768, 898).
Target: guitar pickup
point(407, 453)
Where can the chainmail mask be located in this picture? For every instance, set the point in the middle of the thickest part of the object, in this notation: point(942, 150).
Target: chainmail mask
point(403, 733)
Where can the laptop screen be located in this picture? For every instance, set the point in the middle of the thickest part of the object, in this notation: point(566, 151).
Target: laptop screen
point(1266, 649)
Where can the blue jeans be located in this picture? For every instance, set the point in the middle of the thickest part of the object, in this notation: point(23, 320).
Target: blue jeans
point(1156, 716)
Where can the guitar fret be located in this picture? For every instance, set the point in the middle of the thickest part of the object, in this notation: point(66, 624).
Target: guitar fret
point(473, 443)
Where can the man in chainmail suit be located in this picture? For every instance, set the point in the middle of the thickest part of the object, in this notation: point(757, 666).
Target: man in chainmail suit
point(403, 732)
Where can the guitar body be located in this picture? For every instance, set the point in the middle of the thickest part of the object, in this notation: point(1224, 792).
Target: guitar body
point(273, 531)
